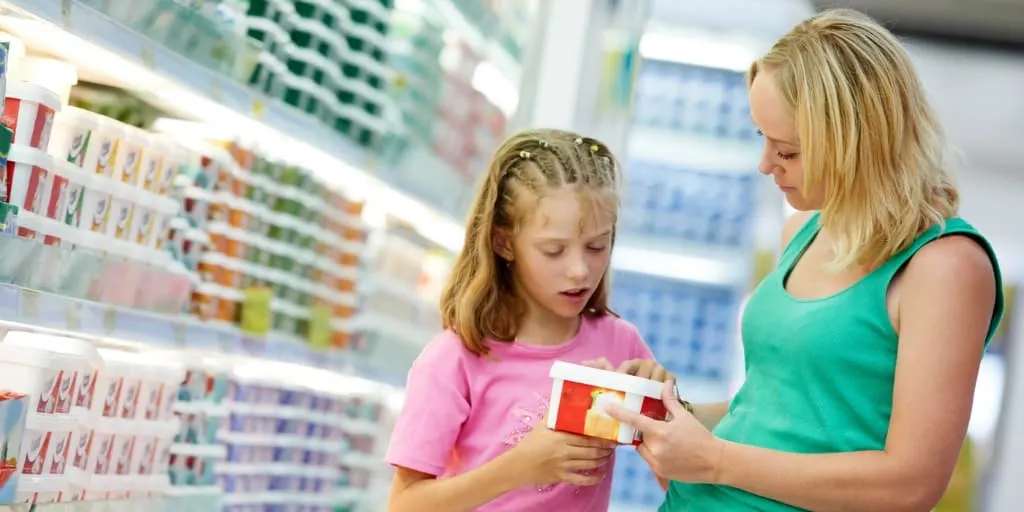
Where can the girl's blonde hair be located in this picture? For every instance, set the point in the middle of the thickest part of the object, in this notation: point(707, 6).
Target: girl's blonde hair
point(479, 301)
point(868, 136)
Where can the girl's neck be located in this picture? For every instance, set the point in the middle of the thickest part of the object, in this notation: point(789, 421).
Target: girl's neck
point(546, 329)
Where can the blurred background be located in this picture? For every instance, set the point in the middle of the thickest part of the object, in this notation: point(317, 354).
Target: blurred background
point(235, 216)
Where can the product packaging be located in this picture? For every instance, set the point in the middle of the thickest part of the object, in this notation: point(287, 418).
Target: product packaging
point(13, 412)
point(580, 394)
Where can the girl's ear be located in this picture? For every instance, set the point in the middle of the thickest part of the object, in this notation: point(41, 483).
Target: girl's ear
point(502, 245)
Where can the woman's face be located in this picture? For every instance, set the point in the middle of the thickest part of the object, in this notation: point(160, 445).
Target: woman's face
point(781, 156)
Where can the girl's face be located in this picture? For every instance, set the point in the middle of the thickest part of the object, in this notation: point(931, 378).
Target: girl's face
point(781, 156)
point(561, 251)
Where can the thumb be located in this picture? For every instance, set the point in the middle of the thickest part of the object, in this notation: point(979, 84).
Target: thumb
point(670, 396)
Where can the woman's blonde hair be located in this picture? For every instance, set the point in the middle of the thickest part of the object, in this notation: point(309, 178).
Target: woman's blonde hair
point(868, 136)
point(479, 301)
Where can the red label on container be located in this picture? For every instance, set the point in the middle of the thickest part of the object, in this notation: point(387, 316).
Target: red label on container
point(581, 410)
point(39, 137)
point(54, 207)
point(34, 200)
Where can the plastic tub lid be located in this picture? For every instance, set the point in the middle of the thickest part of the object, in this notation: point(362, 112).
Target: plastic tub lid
point(606, 379)
point(34, 93)
point(25, 356)
point(50, 342)
point(31, 156)
point(79, 116)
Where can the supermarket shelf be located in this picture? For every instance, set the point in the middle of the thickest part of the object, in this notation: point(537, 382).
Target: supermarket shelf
point(697, 152)
point(489, 47)
point(701, 264)
point(191, 90)
point(49, 311)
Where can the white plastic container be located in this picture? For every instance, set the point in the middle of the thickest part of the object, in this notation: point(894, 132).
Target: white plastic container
point(128, 162)
point(97, 202)
point(29, 109)
point(67, 186)
point(159, 378)
point(49, 379)
point(27, 172)
point(74, 136)
point(102, 158)
point(579, 395)
point(53, 74)
point(47, 445)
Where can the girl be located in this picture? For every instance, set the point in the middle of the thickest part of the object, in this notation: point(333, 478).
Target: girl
point(529, 287)
point(863, 346)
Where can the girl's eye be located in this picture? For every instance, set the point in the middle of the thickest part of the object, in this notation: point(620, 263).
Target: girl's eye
point(552, 254)
point(596, 249)
point(786, 156)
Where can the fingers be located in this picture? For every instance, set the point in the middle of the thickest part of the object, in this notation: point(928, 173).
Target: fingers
point(670, 396)
point(631, 367)
point(600, 364)
point(645, 369)
point(577, 466)
point(638, 421)
point(589, 453)
point(587, 480)
point(590, 442)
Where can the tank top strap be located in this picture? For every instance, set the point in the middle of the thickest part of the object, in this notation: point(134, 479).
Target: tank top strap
point(798, 244)
point(952, 226)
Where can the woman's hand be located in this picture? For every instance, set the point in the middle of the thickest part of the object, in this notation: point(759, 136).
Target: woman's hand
point(680, 449)
point(546, 457)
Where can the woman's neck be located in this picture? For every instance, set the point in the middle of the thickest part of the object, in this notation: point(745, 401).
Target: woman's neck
point(544, 328)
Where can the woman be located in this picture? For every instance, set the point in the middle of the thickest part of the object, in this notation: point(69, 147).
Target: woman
point(863, 345)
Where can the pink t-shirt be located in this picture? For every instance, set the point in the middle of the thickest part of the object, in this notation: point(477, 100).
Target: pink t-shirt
point(462, 411)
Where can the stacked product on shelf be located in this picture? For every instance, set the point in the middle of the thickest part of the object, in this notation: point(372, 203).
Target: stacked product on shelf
point(91, 194)
point(310, 444)
point(99, 418)
point(693, 99)
point(694, 206)
point(326, 58)
point(272, 227)
point(469, 126)
point(417, 42)
point(679, 204)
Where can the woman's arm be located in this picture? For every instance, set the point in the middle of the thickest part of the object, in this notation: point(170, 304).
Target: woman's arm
point(711, 413)
point(945, 310)
point(946, 301)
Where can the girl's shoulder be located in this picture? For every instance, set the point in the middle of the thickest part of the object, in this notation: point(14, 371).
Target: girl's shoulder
point(611, 326)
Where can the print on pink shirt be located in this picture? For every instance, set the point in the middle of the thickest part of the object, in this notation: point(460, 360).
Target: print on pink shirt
point(524, 418)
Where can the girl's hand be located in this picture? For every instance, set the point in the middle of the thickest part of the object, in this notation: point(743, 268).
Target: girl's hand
point(680, 449)
point(647, 369)
point(546, 457)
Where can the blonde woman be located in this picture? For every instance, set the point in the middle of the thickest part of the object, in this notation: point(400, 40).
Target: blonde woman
point(863, 345)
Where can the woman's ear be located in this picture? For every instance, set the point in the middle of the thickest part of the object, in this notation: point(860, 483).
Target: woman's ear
point(502, 244)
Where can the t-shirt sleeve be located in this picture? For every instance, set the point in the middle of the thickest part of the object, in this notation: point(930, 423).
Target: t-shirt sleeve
point(435, 408)
point(637, 346)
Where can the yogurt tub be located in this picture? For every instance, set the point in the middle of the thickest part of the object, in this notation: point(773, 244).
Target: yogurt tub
point(29, 110)
point(27, 172)
point(65, 188)
point(157, 161)
point(122, 209)
point(47, 444)
point(94, 214)
point(74, 136)
point(579, 395)
point(49, 377)
point(53, 74)
point(102, 154)
point(160, 382)
point(128, 161)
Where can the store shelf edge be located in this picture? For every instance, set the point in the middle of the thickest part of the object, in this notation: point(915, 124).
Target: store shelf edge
point(50, 311)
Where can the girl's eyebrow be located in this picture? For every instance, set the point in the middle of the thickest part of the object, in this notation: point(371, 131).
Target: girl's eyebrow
point(564, 240)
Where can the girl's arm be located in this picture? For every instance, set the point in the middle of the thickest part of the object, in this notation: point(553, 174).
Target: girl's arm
point(711, 413)
point(946, 307)
point(413, 491)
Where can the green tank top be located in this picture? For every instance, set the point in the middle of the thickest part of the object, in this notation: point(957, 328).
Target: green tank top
point(819, 373)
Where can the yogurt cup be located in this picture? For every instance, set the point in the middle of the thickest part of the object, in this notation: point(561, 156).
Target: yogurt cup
point(102, 154)
point(49, 377)
point(65, 188)
point(53, 74)
point(579, 395)
point(74, 136)
point(47, 445)
point(26, 175)
point(129, 158)
point(94, 213)
point(29, 111)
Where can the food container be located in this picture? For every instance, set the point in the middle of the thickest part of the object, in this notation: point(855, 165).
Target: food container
point(579, 395)
point(129, 159)
point(74, 136)
point(29, 111)
point(26, 175)
point(65, 188)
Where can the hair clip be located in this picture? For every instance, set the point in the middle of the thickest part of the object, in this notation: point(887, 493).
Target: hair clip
point(543, 143)
point(579, 141)
point(525, 155)
point(594, 148)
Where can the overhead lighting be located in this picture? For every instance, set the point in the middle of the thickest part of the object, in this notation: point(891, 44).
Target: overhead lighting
point(696, 51)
